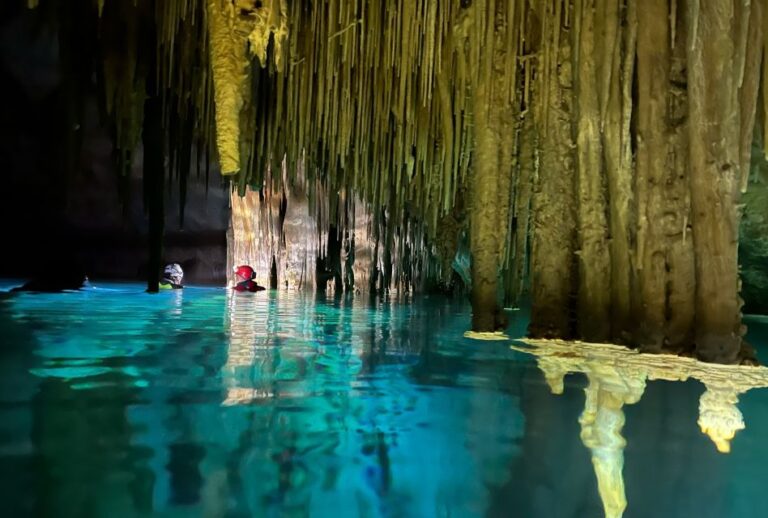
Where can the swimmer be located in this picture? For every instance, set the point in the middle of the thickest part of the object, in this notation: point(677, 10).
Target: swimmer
point(173, 276)
point(245, 282)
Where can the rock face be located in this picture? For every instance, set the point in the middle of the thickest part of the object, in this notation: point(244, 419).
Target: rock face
point(285, 230)
point(48, 213)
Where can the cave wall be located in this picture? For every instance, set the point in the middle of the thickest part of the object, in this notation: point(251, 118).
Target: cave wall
point(49, 213)
point(283, 224)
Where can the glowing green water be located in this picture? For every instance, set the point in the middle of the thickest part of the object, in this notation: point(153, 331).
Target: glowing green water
point(203, 403)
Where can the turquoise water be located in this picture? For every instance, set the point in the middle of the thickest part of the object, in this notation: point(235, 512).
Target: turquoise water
point(202, 402)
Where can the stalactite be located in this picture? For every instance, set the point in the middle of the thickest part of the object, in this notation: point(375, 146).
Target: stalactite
point(653, 83)
point(124, 71)
point(374, 279)
point(490, 182)
point(273, 274)
point(594, 259)
point(680, 270)
point(389, 245)
point(403, 106)
point(349, 262)
point(333, 258)
point(714, 158)
point(339, 50)
point(553, 203)
point(519, 250)
point(618, 61)
point(749, 86)
point(229, 64)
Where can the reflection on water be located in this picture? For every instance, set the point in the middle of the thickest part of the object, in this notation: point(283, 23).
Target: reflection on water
point(203, 402)
point(213, 403)
point(617, 377)
point(338, 425)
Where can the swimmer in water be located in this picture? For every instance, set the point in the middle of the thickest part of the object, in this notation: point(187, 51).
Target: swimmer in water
point(173, 276)
point(245, 275)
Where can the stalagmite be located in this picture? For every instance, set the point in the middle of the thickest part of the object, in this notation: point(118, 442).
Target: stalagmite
point(719, 417)
point(601, 423)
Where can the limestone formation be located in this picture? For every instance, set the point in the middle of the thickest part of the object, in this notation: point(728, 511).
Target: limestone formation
point(591, 152)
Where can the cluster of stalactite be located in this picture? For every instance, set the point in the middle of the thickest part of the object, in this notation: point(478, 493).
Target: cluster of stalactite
point(644, 123)
point(295, 238)
point(593, 150)
point(191, 76)
point(373, 99)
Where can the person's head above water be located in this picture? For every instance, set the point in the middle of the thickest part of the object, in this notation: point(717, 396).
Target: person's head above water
point(173, 274)
point(244, 273)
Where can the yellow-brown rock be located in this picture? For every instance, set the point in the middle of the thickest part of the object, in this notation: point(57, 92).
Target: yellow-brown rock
point(238, 30)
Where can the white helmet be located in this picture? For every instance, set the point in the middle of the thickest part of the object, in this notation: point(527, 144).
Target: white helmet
point(173, 273)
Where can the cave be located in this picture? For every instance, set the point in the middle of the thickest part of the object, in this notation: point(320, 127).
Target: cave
point(296, 214)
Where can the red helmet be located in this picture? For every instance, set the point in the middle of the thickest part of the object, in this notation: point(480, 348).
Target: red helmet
point(245, 272)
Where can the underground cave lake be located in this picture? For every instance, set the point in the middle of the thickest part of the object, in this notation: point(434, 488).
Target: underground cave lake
point(201, 402)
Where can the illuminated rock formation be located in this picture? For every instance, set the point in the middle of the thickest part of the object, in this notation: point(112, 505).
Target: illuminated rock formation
point(238, 30)
point(284, 225)
point(612, 136)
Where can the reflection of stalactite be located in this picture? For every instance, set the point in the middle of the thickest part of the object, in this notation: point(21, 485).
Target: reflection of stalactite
point(610, 388)
point(719, 417)
point(601, 424)
point(617, 376)
point(554, 372)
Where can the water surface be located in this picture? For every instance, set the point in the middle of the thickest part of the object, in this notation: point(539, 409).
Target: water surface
point(201, 402)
